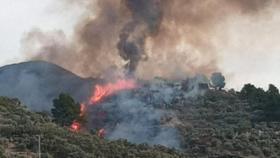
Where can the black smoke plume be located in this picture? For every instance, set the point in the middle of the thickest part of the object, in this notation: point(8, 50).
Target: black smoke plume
point(145, 20)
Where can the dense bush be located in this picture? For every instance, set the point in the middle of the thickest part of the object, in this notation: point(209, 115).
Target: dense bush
point(220, 125)
point(267, 101)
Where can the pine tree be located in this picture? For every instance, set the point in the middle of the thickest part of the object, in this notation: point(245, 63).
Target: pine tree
point(65, 110)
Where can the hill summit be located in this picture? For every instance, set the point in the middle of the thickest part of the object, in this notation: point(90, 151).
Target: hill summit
point(36, 83)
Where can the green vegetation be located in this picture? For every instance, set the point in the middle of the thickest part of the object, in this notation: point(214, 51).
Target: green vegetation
point(266, 101)
point(19, 130)
point(219, 124)
point(2, 152)
point(65, 110)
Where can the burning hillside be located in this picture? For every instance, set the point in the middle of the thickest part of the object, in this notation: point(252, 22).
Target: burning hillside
point(101, 91)
point(135, 110)
point(123, 107)
point(183, 114)
point(137, 73)
point(20, 139)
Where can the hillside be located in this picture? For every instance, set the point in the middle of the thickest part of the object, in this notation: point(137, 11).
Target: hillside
point(36, 83)
point(19, 129)
point(186, 115)
point(222, 125)
point(217, 125)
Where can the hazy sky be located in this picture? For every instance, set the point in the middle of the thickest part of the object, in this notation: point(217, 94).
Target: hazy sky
point(251, 54)
point(252, 51)
point(20, 16)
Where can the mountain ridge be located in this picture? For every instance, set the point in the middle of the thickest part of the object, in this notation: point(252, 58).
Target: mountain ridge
point(36, 83)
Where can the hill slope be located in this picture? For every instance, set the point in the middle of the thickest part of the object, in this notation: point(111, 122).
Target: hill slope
point(220, 124)
point(217, 125)
point(18, 138)
point(36, 83)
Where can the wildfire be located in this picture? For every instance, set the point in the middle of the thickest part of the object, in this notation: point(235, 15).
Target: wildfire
point(101, 91)
point(75, 126)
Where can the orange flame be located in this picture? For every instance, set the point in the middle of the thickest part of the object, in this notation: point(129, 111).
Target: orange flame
point(101, 91)
point(75, 126)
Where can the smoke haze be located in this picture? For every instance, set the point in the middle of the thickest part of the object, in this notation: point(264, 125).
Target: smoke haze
point(143, 115)
point(153, 38)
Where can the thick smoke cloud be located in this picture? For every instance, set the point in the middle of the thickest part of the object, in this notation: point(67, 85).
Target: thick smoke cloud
point(145, 14)
point(168, 38)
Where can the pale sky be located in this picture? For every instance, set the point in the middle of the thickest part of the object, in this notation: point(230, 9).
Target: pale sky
point(20, 16)
point(251, 54)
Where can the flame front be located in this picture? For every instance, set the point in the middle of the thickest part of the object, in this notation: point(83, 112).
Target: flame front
point(101, 91)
